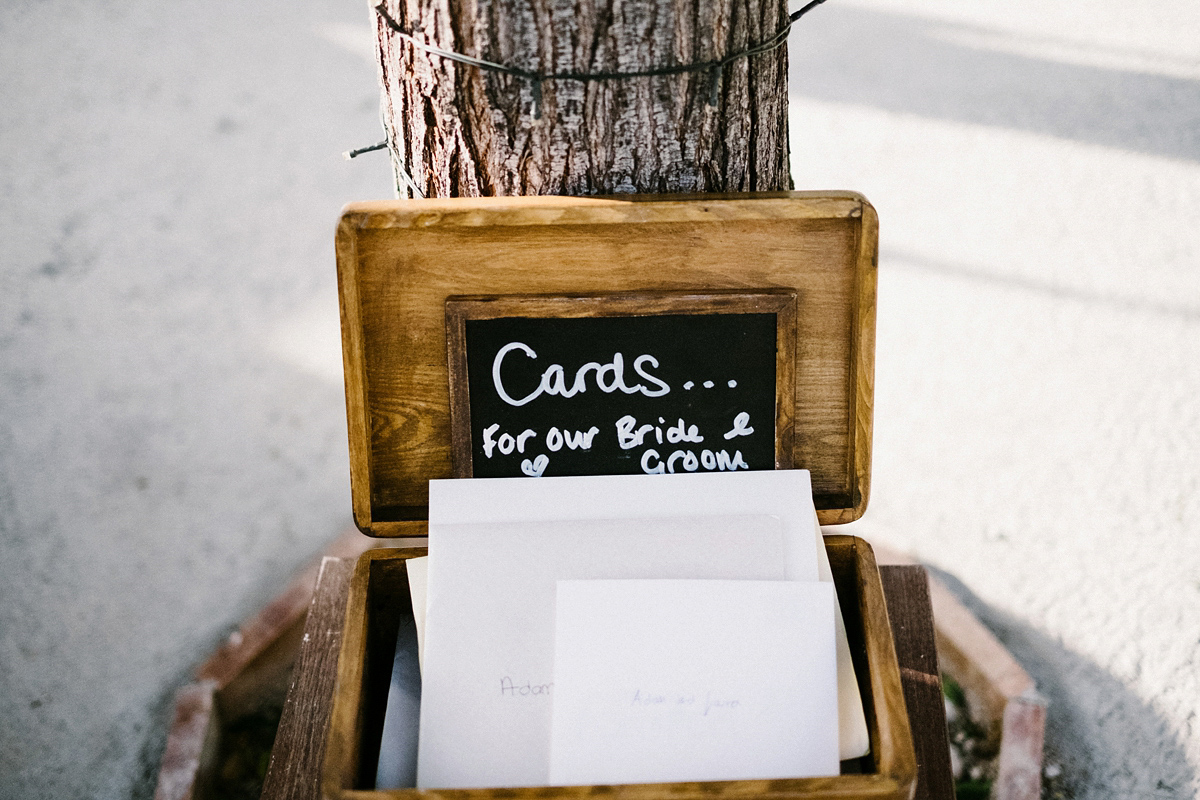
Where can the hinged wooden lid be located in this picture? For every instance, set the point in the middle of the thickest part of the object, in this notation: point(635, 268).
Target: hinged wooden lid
point(398, 261)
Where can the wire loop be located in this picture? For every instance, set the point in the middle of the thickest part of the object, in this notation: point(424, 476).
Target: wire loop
point(537, 78)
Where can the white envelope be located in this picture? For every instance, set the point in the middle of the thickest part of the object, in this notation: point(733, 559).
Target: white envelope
point(852, 724)
point(418, 569)
point(487, 681)
point(659, 681)
point(784, 493)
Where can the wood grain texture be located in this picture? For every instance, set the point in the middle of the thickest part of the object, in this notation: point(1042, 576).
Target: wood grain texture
point(459, 131)
point(1019, 766)
point(399, 261)
point(354, 370)
point(863, 330)
point(460, 309)
point(1000, 695)
point(189, 758)
point(971, 654)
point(379, 582)
point(908, 603)
point(873, 646)
point(378, 589)
point(300, 741)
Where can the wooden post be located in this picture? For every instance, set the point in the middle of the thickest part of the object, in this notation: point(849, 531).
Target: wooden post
point(459, 130)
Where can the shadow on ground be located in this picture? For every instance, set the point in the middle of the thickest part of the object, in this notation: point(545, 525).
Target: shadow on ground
point(898, 258)
point(913, 65)
point(1156, 764)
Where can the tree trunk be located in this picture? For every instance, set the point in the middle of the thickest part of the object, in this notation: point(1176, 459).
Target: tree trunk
point(458, 130)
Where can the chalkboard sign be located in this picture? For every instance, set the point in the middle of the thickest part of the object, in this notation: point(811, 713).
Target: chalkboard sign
point(618, 384)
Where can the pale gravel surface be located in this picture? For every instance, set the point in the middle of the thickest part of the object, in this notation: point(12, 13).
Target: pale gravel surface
point(171, 449)
point(1038, 376)
point(172, 438)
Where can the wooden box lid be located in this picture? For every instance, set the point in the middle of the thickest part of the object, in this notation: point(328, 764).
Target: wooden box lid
point(398, 261)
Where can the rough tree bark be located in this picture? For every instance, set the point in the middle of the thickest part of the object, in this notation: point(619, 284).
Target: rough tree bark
point(461, 131)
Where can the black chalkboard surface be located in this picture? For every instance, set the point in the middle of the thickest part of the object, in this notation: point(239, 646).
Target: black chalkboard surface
point(665, 382)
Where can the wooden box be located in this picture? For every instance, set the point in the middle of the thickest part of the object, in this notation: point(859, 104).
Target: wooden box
point(399, 261)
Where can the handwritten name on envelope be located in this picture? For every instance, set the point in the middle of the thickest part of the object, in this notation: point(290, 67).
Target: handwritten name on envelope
point(666, 680)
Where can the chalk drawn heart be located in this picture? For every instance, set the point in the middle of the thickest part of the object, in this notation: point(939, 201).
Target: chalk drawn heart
point(535, 468)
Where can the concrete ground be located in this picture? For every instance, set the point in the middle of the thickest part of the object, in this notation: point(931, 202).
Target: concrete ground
point(172, 437)
point(1036, 168)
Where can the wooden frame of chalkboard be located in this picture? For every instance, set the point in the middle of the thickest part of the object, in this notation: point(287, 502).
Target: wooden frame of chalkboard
point(679, 381)
point(398, 261)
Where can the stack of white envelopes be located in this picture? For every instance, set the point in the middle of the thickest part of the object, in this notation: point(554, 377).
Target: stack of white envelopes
point(625, 629)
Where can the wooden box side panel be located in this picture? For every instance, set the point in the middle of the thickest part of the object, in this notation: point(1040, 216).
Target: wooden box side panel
point(377, 598)
point(862, 409)
point(402, 273)
point(871, 644)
